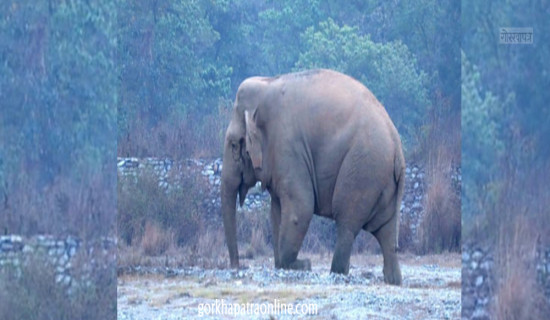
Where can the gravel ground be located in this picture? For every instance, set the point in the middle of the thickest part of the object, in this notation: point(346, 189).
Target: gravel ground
point(431, 290)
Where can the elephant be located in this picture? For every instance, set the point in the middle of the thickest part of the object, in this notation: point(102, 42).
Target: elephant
point(321, 143)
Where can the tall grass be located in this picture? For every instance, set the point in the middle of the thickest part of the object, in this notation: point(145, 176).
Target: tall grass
point(521, 221)
point(440, 228)
point(518, 296)
point(142, 201)
point(83, 206)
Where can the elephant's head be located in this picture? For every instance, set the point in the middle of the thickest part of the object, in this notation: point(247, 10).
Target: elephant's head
point(238, 165)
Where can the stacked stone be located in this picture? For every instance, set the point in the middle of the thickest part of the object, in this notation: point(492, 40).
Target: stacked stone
point(210, 170)
point(477, 282)
point(161, 168)
point(543, 269)
point(14, 249)
point(412, 205)
point(10, 247)
point(101, 255)
point(59, 251)
point(456, 180)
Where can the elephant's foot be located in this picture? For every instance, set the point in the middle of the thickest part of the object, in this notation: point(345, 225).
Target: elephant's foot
point(392, 274)
point(340, 268)
point(299, 264)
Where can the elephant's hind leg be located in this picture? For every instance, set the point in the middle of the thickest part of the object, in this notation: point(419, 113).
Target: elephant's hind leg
point(342, 252)
point(386, 237)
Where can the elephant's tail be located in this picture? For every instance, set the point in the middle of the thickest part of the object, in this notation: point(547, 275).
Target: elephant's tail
point(399, 175)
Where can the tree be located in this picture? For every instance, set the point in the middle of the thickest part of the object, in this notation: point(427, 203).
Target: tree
point(482, 144)
point(59, 97)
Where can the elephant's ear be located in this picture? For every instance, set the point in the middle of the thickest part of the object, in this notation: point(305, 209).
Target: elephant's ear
point(253, 145)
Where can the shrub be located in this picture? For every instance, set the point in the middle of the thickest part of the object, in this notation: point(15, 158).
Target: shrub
point(156, 241)
point(210, 250)
point(441, 225)
point(66, 205)
point(406, 241)
point(321, 235)
point(255, 231)
point(176, 210)
point(518, 296)
point(30, 292)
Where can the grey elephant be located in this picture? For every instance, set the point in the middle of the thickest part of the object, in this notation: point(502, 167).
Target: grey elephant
point(320, 143)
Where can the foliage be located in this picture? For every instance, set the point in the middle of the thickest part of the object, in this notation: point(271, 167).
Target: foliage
point(389, 70)
point(185, 60)
point(59, 97)
point(165, 61)
point(163, 75)
point(482, 144)
point(506, 124)
point(505, 120)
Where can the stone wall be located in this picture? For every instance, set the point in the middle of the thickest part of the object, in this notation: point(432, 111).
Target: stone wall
point(479, 283)
point(543, 270)
point(168, 172)
point(72, 259)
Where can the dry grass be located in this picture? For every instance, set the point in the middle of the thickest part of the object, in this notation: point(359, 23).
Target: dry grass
point(520, 223)
point(156, 241)
point(518, 296)
point(440, 229)
point(176, 212)
point(192, 136)
point(254, 232)
point(211, 251)
point(83, 206)
point(406, 236)
point(31, 292)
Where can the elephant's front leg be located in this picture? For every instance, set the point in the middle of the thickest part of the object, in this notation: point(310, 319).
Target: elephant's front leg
point(275, 223)
point(295, 217)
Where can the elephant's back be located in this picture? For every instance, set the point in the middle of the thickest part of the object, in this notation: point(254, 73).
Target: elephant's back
point(328, 100)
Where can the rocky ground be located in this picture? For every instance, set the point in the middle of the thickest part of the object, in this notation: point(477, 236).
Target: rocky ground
point(431, 289)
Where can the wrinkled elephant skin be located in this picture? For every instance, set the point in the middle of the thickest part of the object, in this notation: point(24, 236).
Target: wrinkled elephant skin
point(321, 143)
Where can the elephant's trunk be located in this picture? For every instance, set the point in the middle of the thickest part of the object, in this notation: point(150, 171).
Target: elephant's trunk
point(229, 197)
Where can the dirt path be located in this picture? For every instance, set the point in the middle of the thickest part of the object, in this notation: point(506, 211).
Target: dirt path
point(431, 290)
